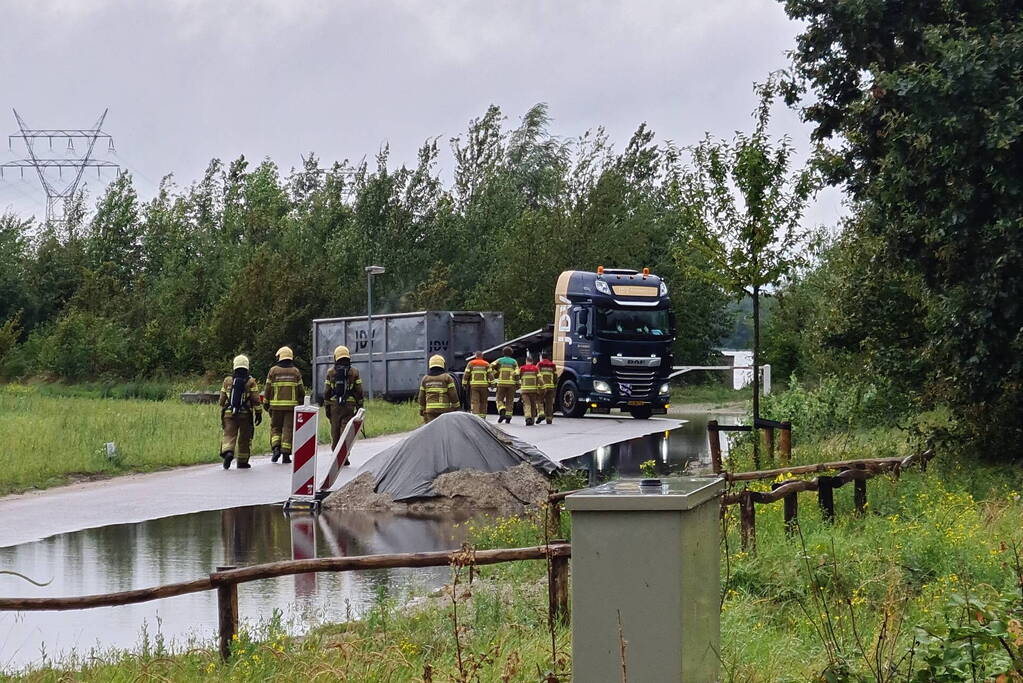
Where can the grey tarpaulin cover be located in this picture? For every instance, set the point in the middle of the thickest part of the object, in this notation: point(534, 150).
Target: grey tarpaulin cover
point(455, 441)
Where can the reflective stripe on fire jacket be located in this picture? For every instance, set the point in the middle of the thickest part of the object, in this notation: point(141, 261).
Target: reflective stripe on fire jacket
point(506, 369)
point(548, 374)
point(477, 373)
point(528, 377)
point(438, 392)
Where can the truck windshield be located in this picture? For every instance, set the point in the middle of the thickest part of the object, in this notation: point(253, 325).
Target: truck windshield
point(616, 322)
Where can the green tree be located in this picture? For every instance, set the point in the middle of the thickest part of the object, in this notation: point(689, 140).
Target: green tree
point(745, 205)
point(922, 105)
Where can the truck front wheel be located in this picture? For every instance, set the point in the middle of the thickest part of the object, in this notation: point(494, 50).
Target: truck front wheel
point(641, 412)
point(569, 401)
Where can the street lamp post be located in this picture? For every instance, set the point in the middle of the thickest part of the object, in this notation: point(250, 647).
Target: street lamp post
point(370, 272)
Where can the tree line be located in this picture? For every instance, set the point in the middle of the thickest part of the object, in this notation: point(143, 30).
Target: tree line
point(244, 258)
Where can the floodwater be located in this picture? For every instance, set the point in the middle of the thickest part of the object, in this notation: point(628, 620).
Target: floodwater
point(183, 547)
point(130, 556)
point(684, 449)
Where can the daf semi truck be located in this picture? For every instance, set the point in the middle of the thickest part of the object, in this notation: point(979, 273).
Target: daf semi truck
point(611, 339)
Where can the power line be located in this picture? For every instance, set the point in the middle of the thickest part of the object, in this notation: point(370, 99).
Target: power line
point(59, 190)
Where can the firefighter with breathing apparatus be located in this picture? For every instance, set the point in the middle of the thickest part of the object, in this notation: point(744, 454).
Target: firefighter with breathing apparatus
point(240, 412)
point(342, 393)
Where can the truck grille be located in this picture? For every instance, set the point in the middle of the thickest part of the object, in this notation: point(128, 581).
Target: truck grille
point(634, 383)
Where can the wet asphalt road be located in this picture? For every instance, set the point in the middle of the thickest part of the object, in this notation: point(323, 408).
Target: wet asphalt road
point(136, 498)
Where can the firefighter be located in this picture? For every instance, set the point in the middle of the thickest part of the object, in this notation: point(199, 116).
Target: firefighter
point(548, 387)
point(342, 393)
point(240, 411)
point(476, 383)
point(505, 371)
point(529, 386)
point(437, 391)
point(282, 392)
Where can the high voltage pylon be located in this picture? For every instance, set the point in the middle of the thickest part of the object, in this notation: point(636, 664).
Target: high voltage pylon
point(59, 190)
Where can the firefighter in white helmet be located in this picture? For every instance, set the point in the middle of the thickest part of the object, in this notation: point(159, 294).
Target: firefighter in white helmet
point(342, 393)
point(240, 411)
point(437, 391)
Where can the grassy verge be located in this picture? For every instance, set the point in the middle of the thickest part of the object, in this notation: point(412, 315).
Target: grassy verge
point(55, 434)
point(714, 393)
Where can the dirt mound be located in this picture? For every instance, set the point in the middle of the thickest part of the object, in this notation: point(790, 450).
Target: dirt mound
point(508, 491)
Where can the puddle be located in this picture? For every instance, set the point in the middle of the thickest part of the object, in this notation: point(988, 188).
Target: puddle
point(129, 556)
point(684, 448)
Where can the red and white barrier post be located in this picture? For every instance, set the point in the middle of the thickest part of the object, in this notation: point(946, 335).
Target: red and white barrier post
point(342, 451)
point(303, 458)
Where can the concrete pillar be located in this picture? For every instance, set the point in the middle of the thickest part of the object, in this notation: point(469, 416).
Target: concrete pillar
point(645, 580)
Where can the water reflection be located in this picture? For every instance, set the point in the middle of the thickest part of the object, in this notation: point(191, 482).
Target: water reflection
point(129, 556)
point(684, 449)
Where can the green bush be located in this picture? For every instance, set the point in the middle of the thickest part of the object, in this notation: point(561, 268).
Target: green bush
point(836, 405)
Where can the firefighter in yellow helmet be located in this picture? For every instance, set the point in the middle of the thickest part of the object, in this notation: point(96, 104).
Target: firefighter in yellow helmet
point(342, 393)
point(240, 411)
point(437, 391)
point(476, 383)
point(282, 392)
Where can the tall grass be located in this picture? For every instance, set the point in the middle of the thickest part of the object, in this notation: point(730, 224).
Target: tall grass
point(55, 434)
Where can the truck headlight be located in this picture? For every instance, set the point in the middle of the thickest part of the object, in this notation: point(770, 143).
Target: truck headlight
point(664, 289)
point(602, 287)
point(665, 389)
point(601, 387)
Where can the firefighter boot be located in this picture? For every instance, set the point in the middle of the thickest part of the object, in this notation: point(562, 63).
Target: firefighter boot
point(243, 465)
point(276, 454)
point(287, 459)
point(228, 456)
point(529, 421)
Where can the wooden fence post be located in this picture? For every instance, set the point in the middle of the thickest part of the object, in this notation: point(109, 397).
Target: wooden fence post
point(553, 518)
point(557, 588)
point(714, 438)
point(747, 521)
point(785, 443)
point(227, 610)
point(826, 498)
point(860, 495)
point(767, 435)
point(791, 509)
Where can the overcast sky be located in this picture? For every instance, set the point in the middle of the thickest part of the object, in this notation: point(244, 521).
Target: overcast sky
point(188, 80)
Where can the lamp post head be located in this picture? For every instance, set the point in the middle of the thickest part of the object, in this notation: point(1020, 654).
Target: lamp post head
point(374, 270)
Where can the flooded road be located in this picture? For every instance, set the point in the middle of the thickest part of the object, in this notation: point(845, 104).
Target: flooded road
point(128, 556)
point(188, 546)
point(681, 449)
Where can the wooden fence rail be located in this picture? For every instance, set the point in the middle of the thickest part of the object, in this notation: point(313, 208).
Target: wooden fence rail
point(226, 579)
point(857, 471)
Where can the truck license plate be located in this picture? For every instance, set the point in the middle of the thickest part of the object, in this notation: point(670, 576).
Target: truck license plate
point(637, 403)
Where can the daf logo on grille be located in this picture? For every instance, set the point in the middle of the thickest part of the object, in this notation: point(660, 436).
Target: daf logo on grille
point(636, 361)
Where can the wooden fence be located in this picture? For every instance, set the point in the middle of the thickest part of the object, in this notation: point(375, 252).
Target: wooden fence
point(856, 471)
point(226, 579)
point(767, 430)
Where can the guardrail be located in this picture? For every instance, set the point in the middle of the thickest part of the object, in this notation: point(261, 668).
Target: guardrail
point(225, 581)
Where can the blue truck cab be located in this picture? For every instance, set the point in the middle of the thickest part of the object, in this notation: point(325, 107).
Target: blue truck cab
point(612, 342)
